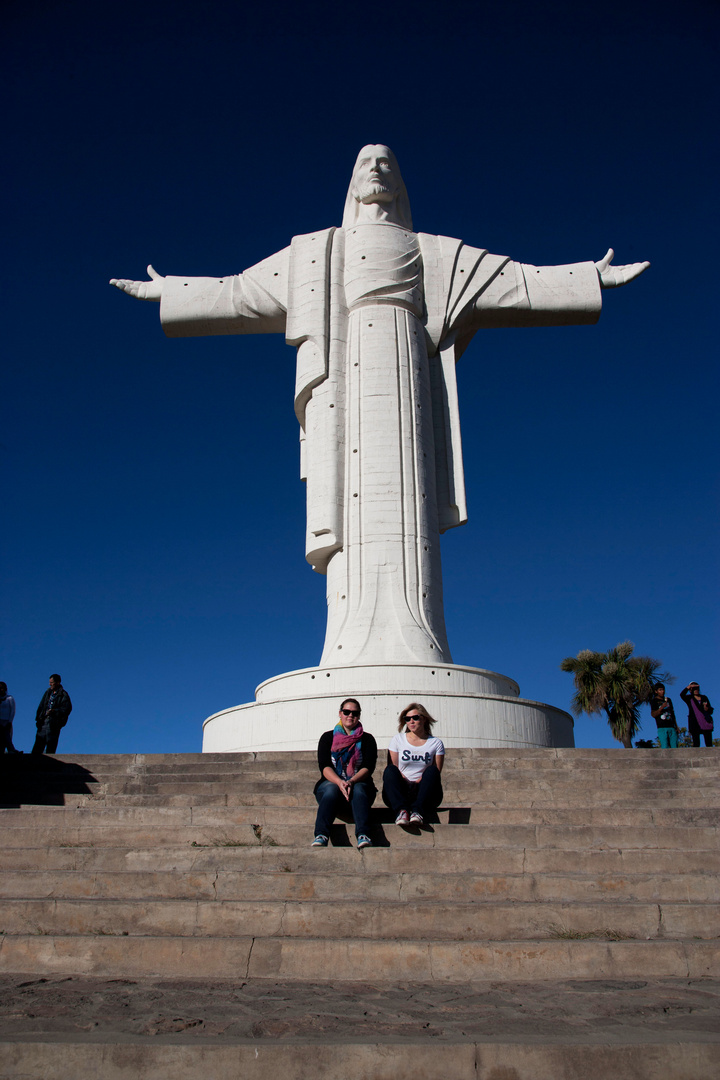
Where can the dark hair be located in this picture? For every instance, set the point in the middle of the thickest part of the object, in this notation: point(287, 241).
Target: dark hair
point(427, 718)
point(56, 678)
point(354, 701)
point(658, 687)
point(3, 686)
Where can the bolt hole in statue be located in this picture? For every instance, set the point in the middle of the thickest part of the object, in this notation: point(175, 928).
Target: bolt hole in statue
point(379, 315)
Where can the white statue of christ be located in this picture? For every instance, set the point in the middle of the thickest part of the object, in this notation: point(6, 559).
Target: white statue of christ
point(380, 315)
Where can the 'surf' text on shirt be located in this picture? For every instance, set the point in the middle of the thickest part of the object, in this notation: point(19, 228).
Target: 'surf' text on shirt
point(426, 757)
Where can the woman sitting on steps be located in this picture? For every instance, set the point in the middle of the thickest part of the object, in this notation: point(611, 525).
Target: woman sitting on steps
point(346, 757)
point(411, 782)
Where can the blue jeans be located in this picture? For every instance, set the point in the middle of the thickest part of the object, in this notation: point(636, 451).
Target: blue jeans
point(667, 737)
point(400, 794)
point(330, 798)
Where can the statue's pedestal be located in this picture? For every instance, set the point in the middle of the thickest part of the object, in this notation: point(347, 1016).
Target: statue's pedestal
point(472, 708)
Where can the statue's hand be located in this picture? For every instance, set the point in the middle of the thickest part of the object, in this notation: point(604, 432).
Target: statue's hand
point(143, 290)
point(612, 276)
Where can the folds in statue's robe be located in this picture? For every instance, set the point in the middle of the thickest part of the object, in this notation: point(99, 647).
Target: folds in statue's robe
point(299, 291)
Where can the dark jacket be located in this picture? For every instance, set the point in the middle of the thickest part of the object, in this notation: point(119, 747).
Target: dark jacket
point(61, 711)
point(705, 707)
point(368, 748)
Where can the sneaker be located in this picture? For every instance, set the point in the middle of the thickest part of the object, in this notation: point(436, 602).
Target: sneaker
point(415, 818)
point(403, 818)
point(320, 841)
point(364, 841)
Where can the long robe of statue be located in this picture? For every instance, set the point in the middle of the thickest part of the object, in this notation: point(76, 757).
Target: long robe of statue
point(380, 315)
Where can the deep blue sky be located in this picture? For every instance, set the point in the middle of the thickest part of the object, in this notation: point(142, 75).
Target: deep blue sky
point(153, 520)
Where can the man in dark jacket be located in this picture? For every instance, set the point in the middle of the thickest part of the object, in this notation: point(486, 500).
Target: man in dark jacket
point(51, 717)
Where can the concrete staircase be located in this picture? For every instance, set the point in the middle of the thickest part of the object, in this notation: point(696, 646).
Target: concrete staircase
point(165, 916)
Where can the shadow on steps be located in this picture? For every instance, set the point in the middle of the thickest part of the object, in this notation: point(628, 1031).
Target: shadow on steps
point(40, 780)
point(381, 816)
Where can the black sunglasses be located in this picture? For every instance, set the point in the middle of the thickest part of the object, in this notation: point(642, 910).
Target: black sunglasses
point(415, 716)
point(350, 712)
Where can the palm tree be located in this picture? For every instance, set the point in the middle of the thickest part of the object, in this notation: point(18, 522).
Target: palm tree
point(616, 683)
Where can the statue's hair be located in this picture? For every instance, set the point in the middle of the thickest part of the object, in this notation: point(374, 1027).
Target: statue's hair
point(428, 720)
point(402, 203)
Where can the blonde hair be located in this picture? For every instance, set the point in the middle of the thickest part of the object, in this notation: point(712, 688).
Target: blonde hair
point(428, 720)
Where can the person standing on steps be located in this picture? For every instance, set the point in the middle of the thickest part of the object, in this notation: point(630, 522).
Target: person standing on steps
point(700, 714)
point(411, 782)
point(347, 756)
point(663, 713)
point(7, 714)
point(51, 717)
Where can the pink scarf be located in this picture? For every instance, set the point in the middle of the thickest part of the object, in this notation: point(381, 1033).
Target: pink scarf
point(346, 752)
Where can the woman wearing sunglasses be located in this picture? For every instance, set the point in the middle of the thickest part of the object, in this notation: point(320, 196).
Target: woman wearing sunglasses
point(347, 756)
point(411, 782)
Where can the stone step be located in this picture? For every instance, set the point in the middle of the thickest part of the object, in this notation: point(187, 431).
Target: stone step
point(355, 961)
point(402, 1058)
point(25, 769)
point(133, 1059)
point(354, 919)
point(461, 807)
point(155, 1029)
point(446, 838)
point(515, 757)
point(98, 817)
point(512, 762)
point(458, 788)
point(328, 884)
point(417, 859)
point(516, 764)
point(453, 800)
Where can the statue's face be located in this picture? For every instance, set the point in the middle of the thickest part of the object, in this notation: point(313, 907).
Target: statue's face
point(374, 180)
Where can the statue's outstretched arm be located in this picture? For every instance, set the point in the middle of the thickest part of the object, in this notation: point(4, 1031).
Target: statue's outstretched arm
point(613, 276)
point(143, 290)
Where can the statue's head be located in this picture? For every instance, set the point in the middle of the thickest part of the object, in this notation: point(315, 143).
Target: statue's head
point(376, 179)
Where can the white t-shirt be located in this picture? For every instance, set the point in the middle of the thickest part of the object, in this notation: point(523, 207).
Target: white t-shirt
point(414, 760)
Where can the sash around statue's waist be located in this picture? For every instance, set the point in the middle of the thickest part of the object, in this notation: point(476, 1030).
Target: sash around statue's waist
point(385, 301)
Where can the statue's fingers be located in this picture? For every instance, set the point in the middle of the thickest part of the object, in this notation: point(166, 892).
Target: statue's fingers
point(126, 286)
point(639, 268)
point(152, 271)
point(631, 270)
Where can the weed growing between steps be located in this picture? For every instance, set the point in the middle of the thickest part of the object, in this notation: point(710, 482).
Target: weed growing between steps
point(266, 841)
point(606, 934)
point(233, 842)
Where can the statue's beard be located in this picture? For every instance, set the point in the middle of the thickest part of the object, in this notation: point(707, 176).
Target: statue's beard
point(373, 191)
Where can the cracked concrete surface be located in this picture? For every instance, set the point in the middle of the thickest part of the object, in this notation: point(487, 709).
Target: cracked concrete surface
point(570, 1011)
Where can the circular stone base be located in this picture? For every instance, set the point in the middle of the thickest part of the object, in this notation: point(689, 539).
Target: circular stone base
point(472, 708)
